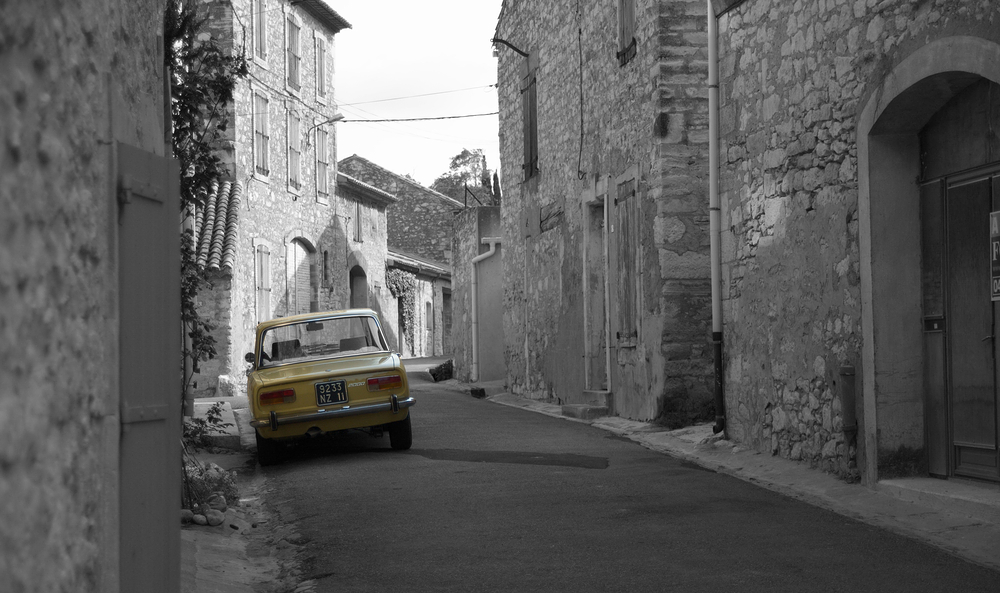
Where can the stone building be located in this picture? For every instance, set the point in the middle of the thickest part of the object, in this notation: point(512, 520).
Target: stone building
point(286, 238)
point(859, 169)
point(420, 227)
point(603, 141)
point(89, 301)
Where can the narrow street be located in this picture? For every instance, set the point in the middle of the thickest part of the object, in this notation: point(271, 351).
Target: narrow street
point(492, 498)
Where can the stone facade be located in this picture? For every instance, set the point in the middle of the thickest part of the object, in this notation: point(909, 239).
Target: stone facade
point(617, 144)
point(420, 229)
point(78, 78)
point(310, 231)
point(421, 223)
point(807, 252)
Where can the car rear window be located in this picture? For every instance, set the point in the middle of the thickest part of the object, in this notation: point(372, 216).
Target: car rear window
point(321, 338)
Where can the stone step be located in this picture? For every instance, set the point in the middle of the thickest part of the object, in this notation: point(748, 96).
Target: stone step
point(584, 411)
point(593, 397)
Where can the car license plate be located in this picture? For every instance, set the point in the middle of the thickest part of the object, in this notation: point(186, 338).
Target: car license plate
point(331, 392)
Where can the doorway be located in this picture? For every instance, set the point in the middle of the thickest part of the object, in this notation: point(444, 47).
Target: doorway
point(961, 188)
point(963, 414)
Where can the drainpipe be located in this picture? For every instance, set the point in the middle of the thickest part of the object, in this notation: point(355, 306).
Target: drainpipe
point(492, 242)
point(714, 213)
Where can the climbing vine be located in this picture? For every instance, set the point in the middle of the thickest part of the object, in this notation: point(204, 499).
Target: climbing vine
point(203, 78)
point(403, 286)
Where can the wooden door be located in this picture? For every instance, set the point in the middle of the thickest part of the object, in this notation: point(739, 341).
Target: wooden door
point(149, 371)
point(971, 334)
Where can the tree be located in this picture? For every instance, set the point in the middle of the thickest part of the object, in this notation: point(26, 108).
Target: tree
point(202, 81)
point(468, 169)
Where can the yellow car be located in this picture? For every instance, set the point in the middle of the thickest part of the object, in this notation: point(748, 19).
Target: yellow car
point(323, 372)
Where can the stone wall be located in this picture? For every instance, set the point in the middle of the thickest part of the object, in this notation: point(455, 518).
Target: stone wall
point(644, 123)
point(794, 78)
point(76, 78)
point(420, 223)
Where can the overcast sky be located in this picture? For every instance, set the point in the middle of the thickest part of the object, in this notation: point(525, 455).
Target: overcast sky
point(402, 48)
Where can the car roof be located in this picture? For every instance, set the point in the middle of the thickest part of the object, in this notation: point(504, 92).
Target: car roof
point(315, 316)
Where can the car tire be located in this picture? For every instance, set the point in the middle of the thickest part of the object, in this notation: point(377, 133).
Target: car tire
point(268, 451)
point(401, 434)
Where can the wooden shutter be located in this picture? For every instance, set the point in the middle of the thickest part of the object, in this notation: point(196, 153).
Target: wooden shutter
point(627, 219)
point(299, 281)
point(263, 283)
point(529, 114)
point(322, 162)
point(320, 67)
point(149, 337)
point(626, 31)
point(293, 54)
point(260, 28)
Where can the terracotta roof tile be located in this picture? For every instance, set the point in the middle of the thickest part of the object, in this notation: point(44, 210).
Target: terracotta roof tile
point(217, 225)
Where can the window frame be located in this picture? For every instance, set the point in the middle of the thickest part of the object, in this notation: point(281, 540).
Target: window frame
point(322, 78)
point(262, 279)
point(293, 54)
point(358, 222)
point(258, 19)
point(261, 147)
point(322, 165)
point(529, 115)
point(626, 32)
point(293, 151)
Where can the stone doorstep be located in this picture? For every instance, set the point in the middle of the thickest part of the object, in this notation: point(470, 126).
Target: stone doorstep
point(584, 411)
point(963, 497)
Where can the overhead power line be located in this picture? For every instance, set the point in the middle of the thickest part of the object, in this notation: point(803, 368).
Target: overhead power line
point(419, 118)
point(471, 88)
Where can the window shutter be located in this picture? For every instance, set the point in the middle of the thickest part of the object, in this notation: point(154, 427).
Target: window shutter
point(529, 111)
point(260, 135)
point(260, 28)
point(263, 283)
point(320, 67)
point(626, 206)
point(626, 31)
point(294, 152)
point(293, 54)
point(321, 162)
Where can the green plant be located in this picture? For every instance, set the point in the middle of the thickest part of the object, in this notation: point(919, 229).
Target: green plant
point(197, 430)
point(203, 77)
point(403, 286)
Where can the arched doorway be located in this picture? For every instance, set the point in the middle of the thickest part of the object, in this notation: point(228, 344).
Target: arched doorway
point(926, 185)
point(359, 288)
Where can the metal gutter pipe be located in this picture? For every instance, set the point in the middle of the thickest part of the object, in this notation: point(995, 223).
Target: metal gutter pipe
point(492, 242)
point(714, 214)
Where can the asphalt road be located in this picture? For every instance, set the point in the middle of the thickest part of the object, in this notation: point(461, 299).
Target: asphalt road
point(492, 498)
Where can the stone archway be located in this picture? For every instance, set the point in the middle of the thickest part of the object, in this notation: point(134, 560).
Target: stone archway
point(893, 358)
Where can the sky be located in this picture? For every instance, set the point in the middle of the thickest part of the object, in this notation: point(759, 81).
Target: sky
point(401, 48)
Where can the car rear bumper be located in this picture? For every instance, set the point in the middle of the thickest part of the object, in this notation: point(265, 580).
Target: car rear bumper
point(394, 404)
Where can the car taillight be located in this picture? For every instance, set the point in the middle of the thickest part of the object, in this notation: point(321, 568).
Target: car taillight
point(381, 383)
point(285, 396)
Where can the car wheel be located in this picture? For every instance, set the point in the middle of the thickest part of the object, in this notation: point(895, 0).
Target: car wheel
point(268, 451)
point(401, 434)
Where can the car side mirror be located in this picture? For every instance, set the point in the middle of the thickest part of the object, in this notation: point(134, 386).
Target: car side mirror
point(249, 357)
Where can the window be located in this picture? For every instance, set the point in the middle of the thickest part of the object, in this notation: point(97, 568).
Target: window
point(357, 222)
point(292, 51)
point(260, 136)
point(626, 31)
point(260, 29)
point(320, 67)
point(263, 283)
point(294, 152)
point(322, 163)
point(529, 112)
